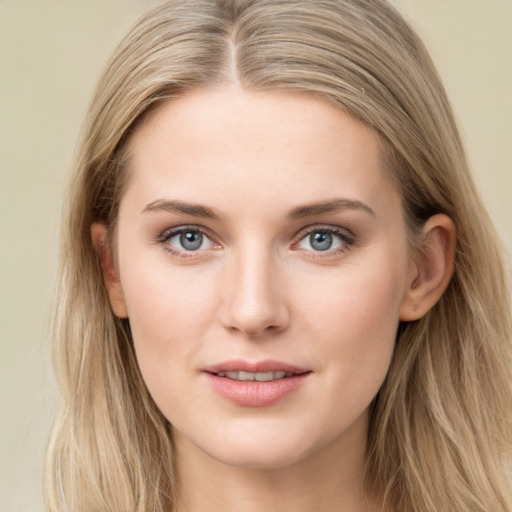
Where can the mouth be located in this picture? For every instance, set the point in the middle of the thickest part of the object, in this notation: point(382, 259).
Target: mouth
point(256, 384)
point(258, 376)
point(261, 371)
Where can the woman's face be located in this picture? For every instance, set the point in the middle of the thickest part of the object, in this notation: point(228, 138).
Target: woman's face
point(263, 263)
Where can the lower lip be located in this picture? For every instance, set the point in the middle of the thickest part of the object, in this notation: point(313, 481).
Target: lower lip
point(255, 393)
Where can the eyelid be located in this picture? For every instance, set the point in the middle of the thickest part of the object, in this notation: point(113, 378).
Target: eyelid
point(344, 233)
point(170, 232)
point(347, 237)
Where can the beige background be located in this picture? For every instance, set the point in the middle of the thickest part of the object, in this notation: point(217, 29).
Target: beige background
point(51, 53)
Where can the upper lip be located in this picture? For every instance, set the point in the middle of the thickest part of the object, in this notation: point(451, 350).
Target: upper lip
point(238, 365)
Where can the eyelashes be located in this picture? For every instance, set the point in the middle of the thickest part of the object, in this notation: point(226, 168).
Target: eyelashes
point(187, 241)
point(319, 241)
point(324, 239)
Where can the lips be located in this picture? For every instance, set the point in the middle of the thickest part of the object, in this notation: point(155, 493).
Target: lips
point(258, 376)
point(254, 367)
point(257, 384)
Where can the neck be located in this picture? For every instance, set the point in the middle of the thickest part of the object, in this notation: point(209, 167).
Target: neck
point(332, 478)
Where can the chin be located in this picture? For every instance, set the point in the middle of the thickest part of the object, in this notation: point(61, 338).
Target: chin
point(263, 448)
point(258, 458)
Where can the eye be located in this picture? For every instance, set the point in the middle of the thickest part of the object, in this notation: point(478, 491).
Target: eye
point(187, 239)
point(325, 239)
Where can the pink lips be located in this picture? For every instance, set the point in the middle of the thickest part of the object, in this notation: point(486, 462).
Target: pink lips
point(253, 393)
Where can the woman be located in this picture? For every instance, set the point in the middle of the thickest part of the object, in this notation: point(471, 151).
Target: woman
point(279, 287)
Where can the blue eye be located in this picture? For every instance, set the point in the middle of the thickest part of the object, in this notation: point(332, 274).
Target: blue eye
point(323, 240)
point(188, 239)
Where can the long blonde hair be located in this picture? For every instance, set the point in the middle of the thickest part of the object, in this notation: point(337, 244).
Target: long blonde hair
point(439, 437)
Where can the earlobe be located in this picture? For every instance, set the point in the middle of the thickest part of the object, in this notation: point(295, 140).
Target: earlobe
point(102, 247)
point(432, 269)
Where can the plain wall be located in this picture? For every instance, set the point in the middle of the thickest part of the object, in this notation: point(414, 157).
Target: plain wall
point(51, 53)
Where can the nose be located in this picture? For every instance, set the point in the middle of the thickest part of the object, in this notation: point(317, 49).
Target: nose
point(254, 299)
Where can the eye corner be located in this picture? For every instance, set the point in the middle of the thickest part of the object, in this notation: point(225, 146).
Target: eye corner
point(175, 240)
point(333, 241)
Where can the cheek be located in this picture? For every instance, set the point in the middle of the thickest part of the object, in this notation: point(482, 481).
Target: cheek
point(169, 312)
point(362, 298)
point(167, 320)
point(355, 316)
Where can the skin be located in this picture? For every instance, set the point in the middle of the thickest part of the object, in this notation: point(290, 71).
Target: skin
point(257, 289)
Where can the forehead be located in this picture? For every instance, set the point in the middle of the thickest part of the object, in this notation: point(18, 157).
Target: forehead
point(231, 142)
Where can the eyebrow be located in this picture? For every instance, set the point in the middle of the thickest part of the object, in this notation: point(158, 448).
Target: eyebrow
point(300, 212)
point(330, 206)
point(196, 210)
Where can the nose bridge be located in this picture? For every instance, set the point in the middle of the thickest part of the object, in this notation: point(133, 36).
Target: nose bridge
point(254, 301)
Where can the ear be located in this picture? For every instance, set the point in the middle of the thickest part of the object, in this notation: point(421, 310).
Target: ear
point(101, 243)
point(432, 270)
